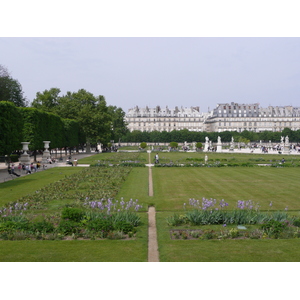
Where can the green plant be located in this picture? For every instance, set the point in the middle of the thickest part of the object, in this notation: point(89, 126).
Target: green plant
point(199, 145)
point(143, 145)
point(123, 226)
point(100, 225)
point(115, 235)
point(176, 220)
point(68, 227)
point(174, 145)
point(234, 233)
point(273, 228)
point(296, 222)
point(72, 213)
point(42, 226)
point(208, 235)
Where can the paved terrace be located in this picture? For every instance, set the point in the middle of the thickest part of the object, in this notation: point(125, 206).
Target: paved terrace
point(4, 176)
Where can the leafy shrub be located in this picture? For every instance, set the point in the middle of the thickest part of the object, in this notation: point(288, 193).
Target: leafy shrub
point(208, 235)
point(296, 222)
point(126, 216)
point(273, 228)
point(124, 227)
point(12, 226)
point(42, 226)
point(132, 164)
point(234, 233)
point(100, 225)
point(68, 227)
point(72, 213)
point(199, 145)
point(174, 145)
point(176, 220)
point(143, 145)
point(115, 235)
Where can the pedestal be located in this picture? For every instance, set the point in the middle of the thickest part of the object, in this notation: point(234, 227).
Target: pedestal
point(46, 153)
point(219, 147)
point(25, 158)
point(286, 150)
point(88, 148)
point(206, 145)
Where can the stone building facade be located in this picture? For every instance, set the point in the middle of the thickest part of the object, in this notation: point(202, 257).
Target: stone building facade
point(225, 117)
point(165, 119)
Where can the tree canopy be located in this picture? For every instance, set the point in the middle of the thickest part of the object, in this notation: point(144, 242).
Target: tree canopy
point(11, 128)
point(10, 89)
point(99, 122)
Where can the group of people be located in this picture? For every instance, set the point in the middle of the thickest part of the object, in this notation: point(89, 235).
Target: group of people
point(22, 167)
point(69, 162)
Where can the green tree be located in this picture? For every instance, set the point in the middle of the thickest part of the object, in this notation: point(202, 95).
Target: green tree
point(118, 125)
point(155, 136)
point(10, 89)
point(11, 128)
point(47, 100)
point(89, 111)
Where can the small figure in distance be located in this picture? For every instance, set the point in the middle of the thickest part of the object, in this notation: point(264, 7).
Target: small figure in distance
point(10, 171)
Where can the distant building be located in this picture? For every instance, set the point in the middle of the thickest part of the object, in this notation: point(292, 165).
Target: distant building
point(165, 119)
point(225, 117)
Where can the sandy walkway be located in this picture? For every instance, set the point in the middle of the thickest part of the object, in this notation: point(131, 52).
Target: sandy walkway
point(153, 255)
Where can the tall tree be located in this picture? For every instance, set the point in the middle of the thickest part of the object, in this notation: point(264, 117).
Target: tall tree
point(10, 89)
point(47, 100)
point(11, 125)
point(91, 112)
point(118, 125)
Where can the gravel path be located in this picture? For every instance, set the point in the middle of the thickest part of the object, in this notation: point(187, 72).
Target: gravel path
point(153, 254)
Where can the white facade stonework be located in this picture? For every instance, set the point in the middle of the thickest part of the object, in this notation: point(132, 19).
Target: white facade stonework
point(225, 117)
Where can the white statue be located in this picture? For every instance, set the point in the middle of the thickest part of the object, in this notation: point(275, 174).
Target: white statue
point(206, 158)
point(219, 140)
point(206, 139)
point(287, 140)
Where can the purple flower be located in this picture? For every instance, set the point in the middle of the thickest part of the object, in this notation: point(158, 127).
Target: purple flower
point(224, 225)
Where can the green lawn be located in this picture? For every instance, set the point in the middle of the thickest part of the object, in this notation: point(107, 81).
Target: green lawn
point(79, 250)
point(14, 189)
point(172, 188)
point(175, 186)
point(263, 250)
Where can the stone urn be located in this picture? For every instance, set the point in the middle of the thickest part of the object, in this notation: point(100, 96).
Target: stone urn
point(25, 158)
point(46, 153)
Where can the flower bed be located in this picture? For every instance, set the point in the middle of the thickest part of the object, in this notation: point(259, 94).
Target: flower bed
point(276, 224)
point(269, 230)
point(112, 220)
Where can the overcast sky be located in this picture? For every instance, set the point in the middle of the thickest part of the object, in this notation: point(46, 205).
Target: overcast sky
point(160, 71)
point(171, 71)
